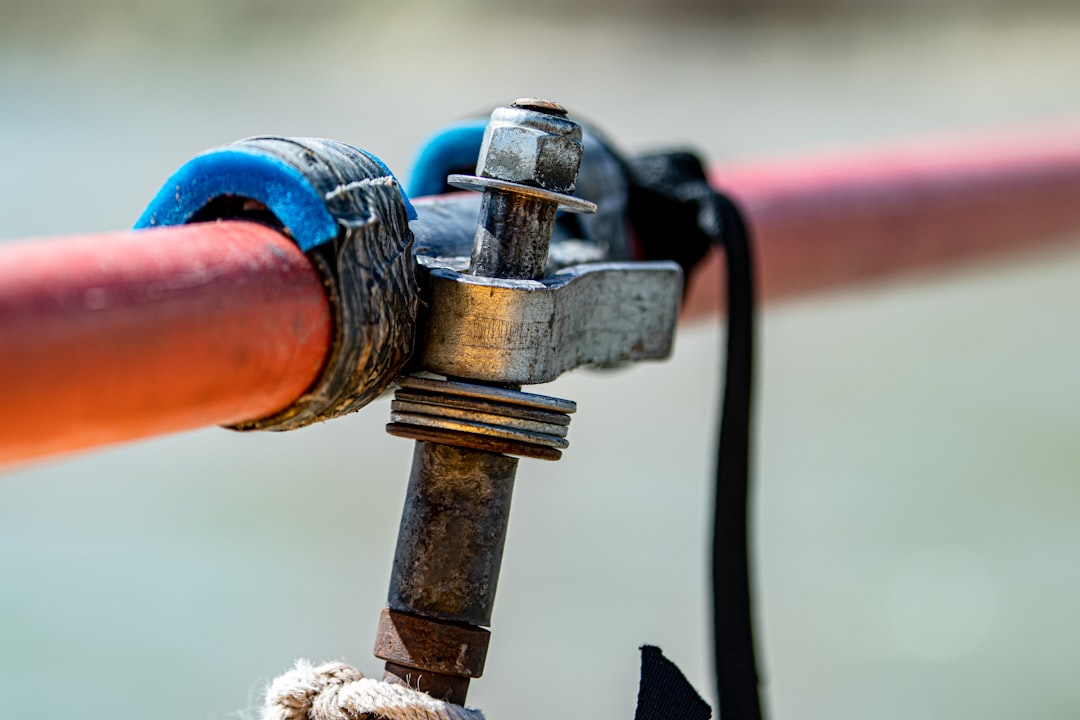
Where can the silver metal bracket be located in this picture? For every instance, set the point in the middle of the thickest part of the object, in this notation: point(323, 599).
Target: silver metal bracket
point(528, 332)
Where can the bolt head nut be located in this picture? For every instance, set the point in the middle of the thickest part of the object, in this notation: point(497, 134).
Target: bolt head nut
point(531, 148)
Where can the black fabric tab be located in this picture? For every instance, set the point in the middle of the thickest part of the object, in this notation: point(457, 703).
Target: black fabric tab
point(664, 692)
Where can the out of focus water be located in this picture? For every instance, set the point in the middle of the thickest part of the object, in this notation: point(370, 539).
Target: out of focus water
point(917, 502)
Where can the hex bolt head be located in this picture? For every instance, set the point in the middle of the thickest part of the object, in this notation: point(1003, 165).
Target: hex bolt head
point(532, 144)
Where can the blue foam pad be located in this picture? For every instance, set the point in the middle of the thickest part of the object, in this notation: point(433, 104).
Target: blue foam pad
point(454, 147)
point(247, 172)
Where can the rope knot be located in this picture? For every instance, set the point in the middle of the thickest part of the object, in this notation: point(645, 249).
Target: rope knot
point(336, 691)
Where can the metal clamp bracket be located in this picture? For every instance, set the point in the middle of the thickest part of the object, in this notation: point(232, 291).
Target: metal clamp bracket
point(345, 209)
point(529, 332)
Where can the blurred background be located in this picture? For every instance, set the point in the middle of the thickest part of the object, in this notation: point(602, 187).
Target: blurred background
point(917, 505)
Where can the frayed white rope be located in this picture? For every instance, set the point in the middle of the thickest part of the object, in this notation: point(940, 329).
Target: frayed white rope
point(335, 691)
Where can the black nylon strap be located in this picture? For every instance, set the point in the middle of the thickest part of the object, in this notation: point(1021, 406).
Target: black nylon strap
point(736, 663)
point(677, 215)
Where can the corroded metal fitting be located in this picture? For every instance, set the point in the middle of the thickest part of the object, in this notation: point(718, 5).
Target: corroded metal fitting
point(528, 166)
point(469, 434)
point(431, 645)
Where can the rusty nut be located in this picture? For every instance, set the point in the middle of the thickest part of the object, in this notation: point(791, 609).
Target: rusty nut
point(532, 148)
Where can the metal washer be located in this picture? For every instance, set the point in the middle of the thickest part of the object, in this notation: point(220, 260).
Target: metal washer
point(481, 417)
point(569, 203)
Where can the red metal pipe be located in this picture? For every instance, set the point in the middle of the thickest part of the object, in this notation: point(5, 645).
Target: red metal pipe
point(847, 218)
point(111, 337)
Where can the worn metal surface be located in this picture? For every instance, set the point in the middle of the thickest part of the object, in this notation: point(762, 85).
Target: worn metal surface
point(452, 688)
point(530, 332)
point(427, 644)
point(513, 235)
point(515, 226)
point(450, 542)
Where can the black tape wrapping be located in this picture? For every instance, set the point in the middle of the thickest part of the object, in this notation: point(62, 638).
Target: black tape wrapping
point(369, 277)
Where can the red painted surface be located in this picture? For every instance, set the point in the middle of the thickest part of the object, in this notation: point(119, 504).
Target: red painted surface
point(835, 220)
point(106, 338)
